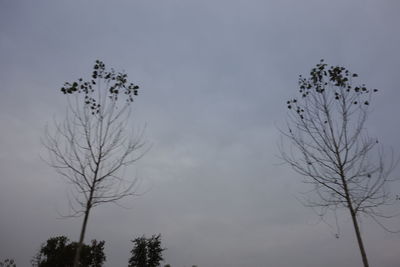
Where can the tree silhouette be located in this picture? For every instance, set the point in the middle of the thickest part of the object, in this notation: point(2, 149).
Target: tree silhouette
point(146, 252)
point(139, 253)
point(154, 251)
point(8, 263)
point(92, 147)
point(59, 252)
point(326, 128)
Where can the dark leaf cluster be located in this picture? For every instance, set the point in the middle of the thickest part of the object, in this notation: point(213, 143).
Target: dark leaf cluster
point(117, 83)
point(330, 81)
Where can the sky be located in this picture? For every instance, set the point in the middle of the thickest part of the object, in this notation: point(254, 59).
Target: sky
point(214, 78)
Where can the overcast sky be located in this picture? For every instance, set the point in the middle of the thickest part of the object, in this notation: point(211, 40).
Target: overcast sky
point(214, 77)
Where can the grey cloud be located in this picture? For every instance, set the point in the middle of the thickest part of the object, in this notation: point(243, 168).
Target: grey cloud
point(214, 78)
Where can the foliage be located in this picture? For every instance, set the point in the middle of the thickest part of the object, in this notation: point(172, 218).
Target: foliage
point(139, 253)
point(59, 252)
point(154, 251)
point(8, 263)
point(146, 252)
point(116, 84)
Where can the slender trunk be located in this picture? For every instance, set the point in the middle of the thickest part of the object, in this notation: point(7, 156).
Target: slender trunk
point(82, 235)
point(81, 238)
point(87, 210)
point(351, 209)
point(85, 219)
point(355, 224)
point(359, 239)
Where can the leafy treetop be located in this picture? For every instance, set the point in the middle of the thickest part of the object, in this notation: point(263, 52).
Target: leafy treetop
point(116, 82)
point(338, 80)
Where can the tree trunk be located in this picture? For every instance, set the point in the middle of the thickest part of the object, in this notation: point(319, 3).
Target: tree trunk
point(353, 216)
point(81, 238)
point(85, 220)
point(359, 239)
point(355, 224)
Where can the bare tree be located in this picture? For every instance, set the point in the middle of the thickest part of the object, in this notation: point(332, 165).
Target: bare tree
point(326, 128)
point(91, 146)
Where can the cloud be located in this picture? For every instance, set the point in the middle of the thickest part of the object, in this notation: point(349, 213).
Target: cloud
point(214, 78)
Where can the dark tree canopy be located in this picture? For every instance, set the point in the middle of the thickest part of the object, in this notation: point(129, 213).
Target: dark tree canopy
point(154, 251)
point(139, 253)
point(146, 252)
point(8, 263)
point(60, 252)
